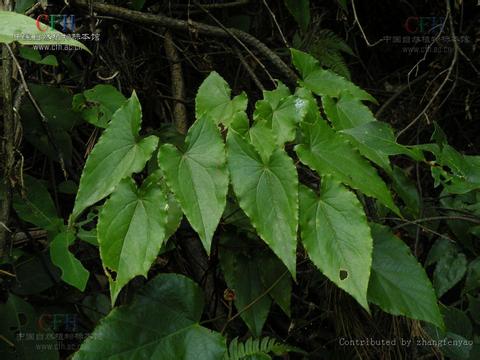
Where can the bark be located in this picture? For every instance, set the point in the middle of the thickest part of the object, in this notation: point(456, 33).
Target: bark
point(178, 85)
point(8, 146)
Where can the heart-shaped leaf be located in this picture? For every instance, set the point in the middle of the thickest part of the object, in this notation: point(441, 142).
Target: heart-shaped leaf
point(131, 230)
point(268, 193)
point(161, 323)
point(119, 152)
point(198, 177)
point(336, 235)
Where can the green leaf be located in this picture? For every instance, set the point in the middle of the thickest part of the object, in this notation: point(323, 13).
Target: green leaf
point(161, 323)
point(465, 170)
point(34, 274)
point(328, 153)
point(18, 320)
point(198, 177)
point(300, 10)
point(407, 190)
point(450, 269)
point(23, 5)
point(312, 112)
point(457, 321)
point(131, 230)
point(325, 82)
point(119, 152)
point(268, 193)
point(263, 139)
point(468, 204)
point(55, 104)
point(97, 105)
point(214, 100)
point(282, 112)
point(349, 112)
point(272, 269)
point(174, 216)
point(442, 247)
point(472, 281)
point(438, 135)
point(138, 4)
point(36, 206)
point(464, 174)
point(454, 337)
point(89, 236)
point(87, 229)
point(379, 135)
point(242, 274)
point(374, 139)
point(96, 306)
point(240, 123)
point(34, 55)
point(304, 63)
point(73, 271)
point(336, 236)
point(398, 283)
point(23, 29)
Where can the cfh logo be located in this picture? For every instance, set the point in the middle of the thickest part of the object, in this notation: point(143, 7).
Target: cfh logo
point(67, 22)
point(424, 24)
point(54, 322)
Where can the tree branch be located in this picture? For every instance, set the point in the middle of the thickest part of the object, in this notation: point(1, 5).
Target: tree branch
point(178, 85)
point(209, 30)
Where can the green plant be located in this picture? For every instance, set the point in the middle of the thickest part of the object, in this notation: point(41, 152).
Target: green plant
point(257, 349)
point(297, 180)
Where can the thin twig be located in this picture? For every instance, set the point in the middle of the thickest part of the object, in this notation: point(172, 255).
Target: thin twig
point(410, 222)
point(272, 14)
point(437, 218)
point(240, 42)
point(43, 118)
point(248, 69)
point(456, 48)
point(9, 343)
point(214, 31)
point(416, 67)
point(4, 272)
point(398, 93)
point(361, 29)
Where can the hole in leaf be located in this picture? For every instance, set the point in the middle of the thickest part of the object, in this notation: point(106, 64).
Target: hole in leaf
point(111, 273)
point(343, 274)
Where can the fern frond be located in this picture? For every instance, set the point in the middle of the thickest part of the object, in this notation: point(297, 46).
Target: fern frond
point(258, 349)
point(334, 61)
point(332, 41)
point(327, 47)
